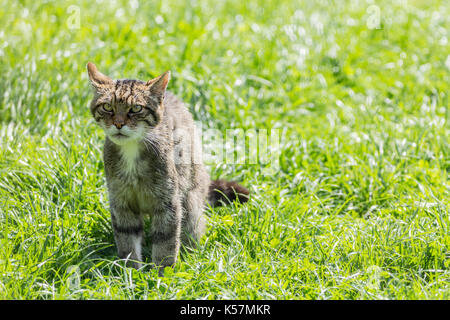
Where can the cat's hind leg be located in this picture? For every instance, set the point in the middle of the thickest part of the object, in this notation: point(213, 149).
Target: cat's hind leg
point(193, 226)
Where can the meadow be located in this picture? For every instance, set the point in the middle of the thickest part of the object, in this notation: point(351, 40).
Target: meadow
point(356, 207)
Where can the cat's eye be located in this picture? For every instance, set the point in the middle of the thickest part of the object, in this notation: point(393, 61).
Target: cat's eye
point(136, 109)
point(106, 107)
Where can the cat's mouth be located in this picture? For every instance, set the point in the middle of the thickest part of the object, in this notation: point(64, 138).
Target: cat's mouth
point(120, 135)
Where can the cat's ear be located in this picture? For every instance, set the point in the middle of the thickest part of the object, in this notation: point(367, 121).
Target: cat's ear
point(158, 85)
point(97, 78)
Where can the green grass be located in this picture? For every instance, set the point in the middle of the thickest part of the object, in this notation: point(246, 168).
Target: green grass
point(359, 208)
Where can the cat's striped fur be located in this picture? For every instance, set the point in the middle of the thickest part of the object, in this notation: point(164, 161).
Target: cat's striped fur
point(153, 167)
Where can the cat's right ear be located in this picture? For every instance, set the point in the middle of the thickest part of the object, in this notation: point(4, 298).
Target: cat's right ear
point(97, 78)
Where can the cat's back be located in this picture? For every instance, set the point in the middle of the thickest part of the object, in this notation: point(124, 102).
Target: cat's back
point(177, 111)
point(187, 144)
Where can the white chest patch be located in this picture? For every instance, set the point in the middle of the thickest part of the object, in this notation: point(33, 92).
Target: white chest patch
point(130, 153)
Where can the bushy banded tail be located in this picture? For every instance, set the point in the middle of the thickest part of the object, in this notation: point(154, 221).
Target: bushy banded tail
point(224, 192)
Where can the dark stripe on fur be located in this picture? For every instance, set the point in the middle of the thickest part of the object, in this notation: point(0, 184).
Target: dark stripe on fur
point(115, 90)
point(147, 122)
point(152, 112)
point(224, 192)
point(128, 229)
point(159, 237)
point(132, 88)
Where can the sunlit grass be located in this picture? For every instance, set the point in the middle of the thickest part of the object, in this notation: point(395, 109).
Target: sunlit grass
point(358, 208)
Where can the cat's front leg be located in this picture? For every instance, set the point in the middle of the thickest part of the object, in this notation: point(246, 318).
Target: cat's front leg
point(165, 233)
point(128, 233)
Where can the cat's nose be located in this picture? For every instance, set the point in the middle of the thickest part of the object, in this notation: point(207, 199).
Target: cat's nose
point(119, 124)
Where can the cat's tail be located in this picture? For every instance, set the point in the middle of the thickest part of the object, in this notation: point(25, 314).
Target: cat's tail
point(224, 192)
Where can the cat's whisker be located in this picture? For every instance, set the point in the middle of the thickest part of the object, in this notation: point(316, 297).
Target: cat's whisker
point(148, 142)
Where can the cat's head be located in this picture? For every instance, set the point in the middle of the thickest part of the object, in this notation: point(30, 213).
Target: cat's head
point(126, 109)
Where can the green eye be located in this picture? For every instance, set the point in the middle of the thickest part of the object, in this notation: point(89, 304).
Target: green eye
point(107, 107)
point(136, 109)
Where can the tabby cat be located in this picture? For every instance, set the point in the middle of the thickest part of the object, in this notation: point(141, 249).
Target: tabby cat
point(153, 167)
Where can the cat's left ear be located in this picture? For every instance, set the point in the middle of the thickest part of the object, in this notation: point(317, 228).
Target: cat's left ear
point(158, 85)
point(97, 78)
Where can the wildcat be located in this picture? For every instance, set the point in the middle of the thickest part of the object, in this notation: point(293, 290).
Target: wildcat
point(152, 160)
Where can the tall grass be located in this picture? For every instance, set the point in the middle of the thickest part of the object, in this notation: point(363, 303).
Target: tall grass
point(358, 208)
